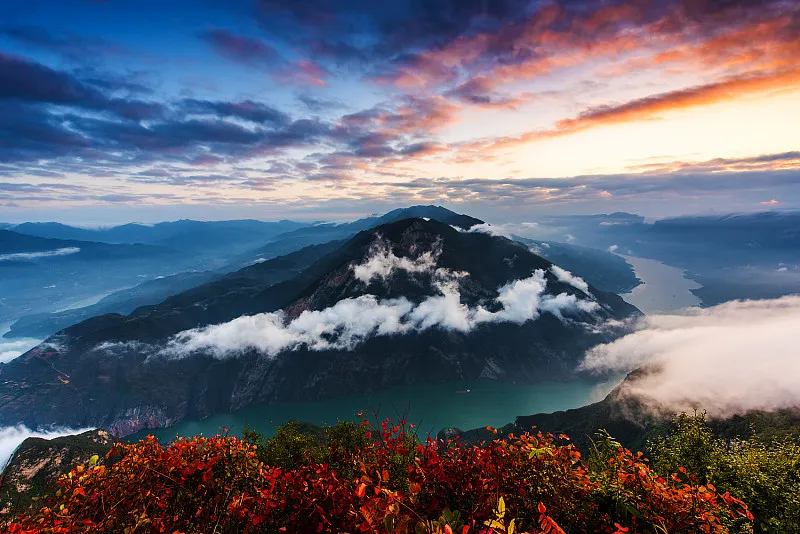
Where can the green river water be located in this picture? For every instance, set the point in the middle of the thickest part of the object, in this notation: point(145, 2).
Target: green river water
point(465, 405)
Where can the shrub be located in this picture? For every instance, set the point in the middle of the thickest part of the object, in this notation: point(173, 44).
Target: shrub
point(765, 474)
point(362, 479)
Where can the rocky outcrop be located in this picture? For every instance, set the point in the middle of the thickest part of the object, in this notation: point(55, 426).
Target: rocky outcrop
point(37, 464)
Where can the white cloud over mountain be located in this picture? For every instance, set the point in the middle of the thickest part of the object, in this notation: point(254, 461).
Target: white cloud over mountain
point(12, 348)
point(569, 278)
point(351, 321)
point(728, 359)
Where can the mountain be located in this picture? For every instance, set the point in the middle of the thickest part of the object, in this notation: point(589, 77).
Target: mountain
point(733, 256)
point(40, 274)
point(437, 213)
point(407, 302)
point(199, 286)
point(22, 248)
point(185, 235)
point(37, 463)
point(209, 246)
point(325, 232)
point(602, 269)
point(125, 301)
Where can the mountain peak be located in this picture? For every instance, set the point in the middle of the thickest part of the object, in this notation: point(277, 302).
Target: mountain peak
point(438, 213)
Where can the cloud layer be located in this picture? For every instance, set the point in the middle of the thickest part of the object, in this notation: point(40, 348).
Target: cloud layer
point(568, 278)
point(11, 348)
point(728, 359)
point(351, 321)
point(12, 437)
point(25, 256)
point(382, 263)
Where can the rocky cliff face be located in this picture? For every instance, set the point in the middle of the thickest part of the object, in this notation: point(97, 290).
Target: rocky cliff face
point(409, 302)
point(38, 463)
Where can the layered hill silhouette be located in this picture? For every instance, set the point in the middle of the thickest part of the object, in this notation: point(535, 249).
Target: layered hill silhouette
point(411, 301)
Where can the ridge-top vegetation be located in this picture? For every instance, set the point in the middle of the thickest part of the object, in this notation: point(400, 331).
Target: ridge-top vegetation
point(358, 478)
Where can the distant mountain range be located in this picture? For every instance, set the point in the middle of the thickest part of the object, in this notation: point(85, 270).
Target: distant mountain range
point(405, 302)
point(605, 271)
point(186, 235)
point(39, 273)
point(18, 248)
point(42, 325)
point(49, 267)
point(733, 256)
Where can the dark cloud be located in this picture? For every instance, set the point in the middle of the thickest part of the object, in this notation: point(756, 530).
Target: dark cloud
point(27, 81)
point(247, 110)
point(52, 114)
point(666, 186)
point(317, 104)
point(35, 188)
point(29, 133)
point(479, 91)
point(70, 46)
point(258, 54)
point(244, 50)
point(454, 54)
point(118, 198)
point(763, 162)
point(386, 27)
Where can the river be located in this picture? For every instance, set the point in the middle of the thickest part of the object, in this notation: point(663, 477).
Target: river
point(434, 407)
point(465, 405)
point(664, 289)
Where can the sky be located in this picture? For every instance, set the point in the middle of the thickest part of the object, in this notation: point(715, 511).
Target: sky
point(121, 110)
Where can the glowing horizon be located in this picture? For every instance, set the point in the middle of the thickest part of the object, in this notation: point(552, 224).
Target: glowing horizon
point(272, 111)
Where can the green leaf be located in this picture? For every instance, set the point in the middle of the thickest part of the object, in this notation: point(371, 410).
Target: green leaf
point(93, 460)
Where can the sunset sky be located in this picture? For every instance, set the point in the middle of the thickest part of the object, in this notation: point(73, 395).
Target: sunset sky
point(121, 110)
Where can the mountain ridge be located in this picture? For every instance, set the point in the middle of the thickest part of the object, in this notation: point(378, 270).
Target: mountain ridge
point(73, 379)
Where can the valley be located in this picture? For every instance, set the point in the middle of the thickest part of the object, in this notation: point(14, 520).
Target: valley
point(431, 407)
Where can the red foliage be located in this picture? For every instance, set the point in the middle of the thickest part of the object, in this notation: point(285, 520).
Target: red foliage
point(219, 485)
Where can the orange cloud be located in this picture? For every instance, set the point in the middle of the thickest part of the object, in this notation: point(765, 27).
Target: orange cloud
point(765, 162)
point(651, 107)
